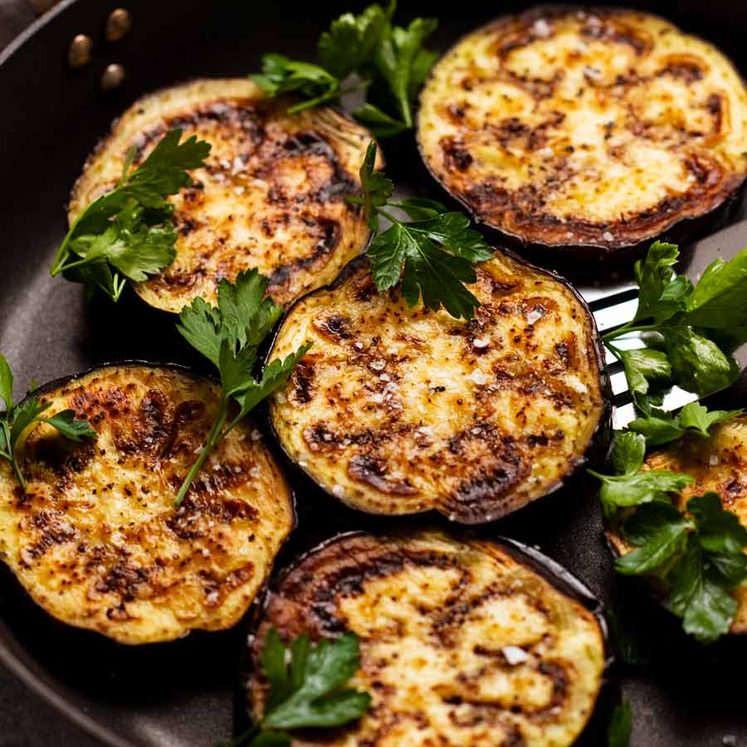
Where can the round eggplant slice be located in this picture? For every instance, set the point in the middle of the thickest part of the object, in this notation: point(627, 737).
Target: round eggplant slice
point(718, 464)
point(271, 195)
point(461, 642)
point(398, 410)
point(96, 540)
point(600, 128)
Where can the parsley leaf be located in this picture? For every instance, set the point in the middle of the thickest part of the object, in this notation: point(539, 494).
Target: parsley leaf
point(660, 427)
point(17, 418)
point(720, 297)
point(661, 290)
point(632, 486)
point(660, 531)
point(620, 726)
point(351, 40)
point(317, 675)
point(643, 366)
point(127, 233)
point(306, 688)
point(229, 336)
point(281, 75)
point(699, 555)
point(365, 51)
point(432, 254)
point(404, 64)
point(689, 331)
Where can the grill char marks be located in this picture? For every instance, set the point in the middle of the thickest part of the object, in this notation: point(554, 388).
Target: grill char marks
point(97, 540)
point(434, 617)
point(271, 194)
point(398, 410)
point(569, 128)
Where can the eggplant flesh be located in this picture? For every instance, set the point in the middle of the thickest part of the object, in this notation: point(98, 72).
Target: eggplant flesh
point(271, 195)
point(598, 128)
point(96, 540)
point(718, 464)
point(399, 410)
point(461, 643)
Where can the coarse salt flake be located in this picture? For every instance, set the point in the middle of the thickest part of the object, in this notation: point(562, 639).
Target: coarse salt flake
point(478, 377)
point(515, 655)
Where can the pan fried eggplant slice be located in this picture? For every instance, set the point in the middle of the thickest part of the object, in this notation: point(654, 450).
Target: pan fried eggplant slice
point(271, 196)
point(719, 464)
point(604, 128)
point(460, 642)
point(96, 540)
point(398, 410)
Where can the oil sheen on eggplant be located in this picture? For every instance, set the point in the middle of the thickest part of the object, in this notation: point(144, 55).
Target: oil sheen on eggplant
point(601, 128)
point(271, 196)
point(461, 644)
point(719, 464)
point(399, 410)
point(97, 541)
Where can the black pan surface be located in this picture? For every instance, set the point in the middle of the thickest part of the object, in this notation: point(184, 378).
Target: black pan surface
point(187, 693)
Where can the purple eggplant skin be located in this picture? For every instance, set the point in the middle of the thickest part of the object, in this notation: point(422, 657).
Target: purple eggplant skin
point(318, 619)
point(709, 202)
point(596, 447)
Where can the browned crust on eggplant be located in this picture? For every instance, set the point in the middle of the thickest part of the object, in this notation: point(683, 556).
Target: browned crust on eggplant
point(271, 195)
point(718, 464)
point(460, 642)
point(96, 540)
point(400, 410)
point(653, 132)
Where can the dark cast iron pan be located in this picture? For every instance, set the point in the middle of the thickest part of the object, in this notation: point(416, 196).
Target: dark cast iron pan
point(187, 693)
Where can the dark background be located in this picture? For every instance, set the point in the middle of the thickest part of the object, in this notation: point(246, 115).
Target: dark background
point(182, 694)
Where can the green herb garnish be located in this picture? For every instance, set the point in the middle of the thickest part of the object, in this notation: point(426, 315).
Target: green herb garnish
point(127, 233)
point(431, 254)
point(698, 556)
point(620, 726)
point(306, 688)
point(16, 418)
point(365, 51)
point(229, 337)
point(688, 330)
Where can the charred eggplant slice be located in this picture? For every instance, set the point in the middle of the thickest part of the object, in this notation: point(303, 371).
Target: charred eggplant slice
point(719, 464)
point(96, 540)
point(271, 196)
point(398, 410)
point(461, 642)
point(599, 128)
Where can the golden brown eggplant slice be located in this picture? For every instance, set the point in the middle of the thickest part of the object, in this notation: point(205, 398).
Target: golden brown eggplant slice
point(599, 128)
point(461, 643)
point(398, 410)
point(271, 196)
point(96, 540)
point(719, 464)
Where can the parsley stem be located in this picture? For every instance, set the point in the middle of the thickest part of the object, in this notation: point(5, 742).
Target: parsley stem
point(11, 457)
point(628, 329)
point(212, 440)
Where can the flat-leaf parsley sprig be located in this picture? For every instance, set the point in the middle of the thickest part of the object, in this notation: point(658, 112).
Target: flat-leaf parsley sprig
point(127, 233)
point(366, 51)
point(307, 688)
point(431, 252)
point(16, 418)
point(688, 330)
point(229, 336)
point(697, 555)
